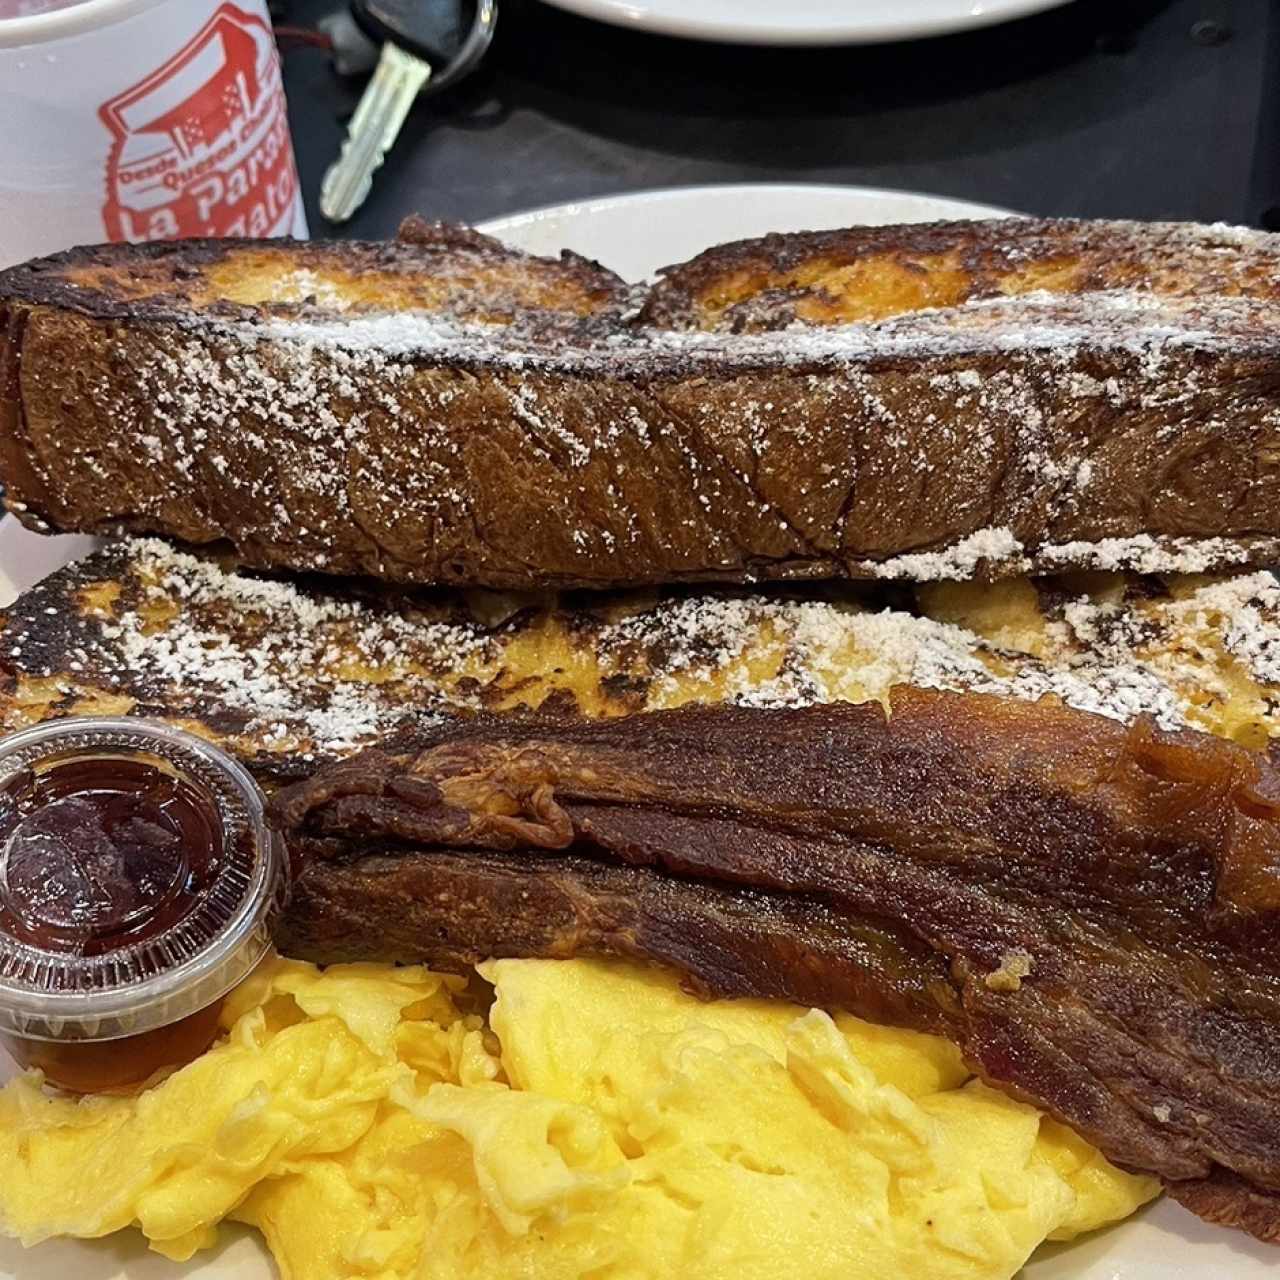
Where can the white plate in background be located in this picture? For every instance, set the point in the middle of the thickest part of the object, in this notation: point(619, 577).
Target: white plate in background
point(26, 557)
point(804, 22)
point(636, 234)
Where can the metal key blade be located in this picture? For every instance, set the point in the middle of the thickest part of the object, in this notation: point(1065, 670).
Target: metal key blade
point(386, 101)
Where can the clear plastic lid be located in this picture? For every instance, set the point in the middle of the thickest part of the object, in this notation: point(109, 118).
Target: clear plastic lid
point(138, 880)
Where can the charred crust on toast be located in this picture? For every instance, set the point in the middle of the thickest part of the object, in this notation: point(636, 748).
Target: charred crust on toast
point(164, 279)
point(985, 257)
point(662, 385)
point(191, 638)
point(436, 233)
point(45, 281)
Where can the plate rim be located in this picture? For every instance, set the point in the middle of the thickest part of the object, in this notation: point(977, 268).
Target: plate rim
point(612, 199)
point(645, 195)
point(637, 15)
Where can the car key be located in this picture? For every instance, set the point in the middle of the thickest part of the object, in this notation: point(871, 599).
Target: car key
point(416, 36)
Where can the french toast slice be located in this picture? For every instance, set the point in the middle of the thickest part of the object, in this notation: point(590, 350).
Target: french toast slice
point(289, 673)
point(448, 411)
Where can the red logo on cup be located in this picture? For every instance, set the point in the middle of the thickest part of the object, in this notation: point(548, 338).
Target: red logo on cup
point(201, 146)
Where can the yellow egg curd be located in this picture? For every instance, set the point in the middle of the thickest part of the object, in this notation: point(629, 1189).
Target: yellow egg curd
point(600, 1125)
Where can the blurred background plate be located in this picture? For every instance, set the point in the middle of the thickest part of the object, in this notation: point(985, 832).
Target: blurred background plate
point(804, 21)
point(635, 234)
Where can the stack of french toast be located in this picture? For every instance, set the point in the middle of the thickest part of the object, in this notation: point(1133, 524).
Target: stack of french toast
point(878, 619)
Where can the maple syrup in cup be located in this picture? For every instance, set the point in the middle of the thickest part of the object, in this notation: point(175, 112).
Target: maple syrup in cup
point(138, 885)
point(141, 120)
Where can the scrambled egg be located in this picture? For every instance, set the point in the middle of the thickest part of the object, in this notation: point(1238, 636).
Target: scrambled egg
point(601, 1124)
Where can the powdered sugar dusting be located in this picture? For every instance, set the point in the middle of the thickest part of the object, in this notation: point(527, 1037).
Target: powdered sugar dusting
point(348, 443)
point(1132, 319)
point(290, 669)
point(1186, 633)
point(1244, 610)
point(996, 552)
point(276, 654)
point(1146, 554)
point(830, 651)
point(959, 561)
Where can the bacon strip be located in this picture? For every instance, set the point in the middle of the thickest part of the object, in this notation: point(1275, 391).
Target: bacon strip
point(1091, 911)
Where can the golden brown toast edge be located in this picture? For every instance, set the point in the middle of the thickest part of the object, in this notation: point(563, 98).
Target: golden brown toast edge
point(813, 277)
point(871, 273)
point(454, 271)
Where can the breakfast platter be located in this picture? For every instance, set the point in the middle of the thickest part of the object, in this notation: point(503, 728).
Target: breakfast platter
point(523, 649)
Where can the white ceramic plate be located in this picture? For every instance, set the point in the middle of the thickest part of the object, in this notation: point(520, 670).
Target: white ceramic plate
point(635, 235)
point(26, 557)
point(799, 22)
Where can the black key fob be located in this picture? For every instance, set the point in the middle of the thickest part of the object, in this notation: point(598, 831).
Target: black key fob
point(434, 30)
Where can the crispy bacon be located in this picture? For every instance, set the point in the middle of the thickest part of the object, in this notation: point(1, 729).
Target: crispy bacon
point(1091, 911)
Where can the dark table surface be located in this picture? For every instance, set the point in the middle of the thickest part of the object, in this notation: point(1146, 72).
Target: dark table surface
point(1132, 108)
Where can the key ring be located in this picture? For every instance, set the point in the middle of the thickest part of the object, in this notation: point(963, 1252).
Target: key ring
point(473, 48)
point(405, 70)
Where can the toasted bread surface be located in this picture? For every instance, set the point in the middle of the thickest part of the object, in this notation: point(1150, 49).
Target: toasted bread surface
point(473, 438)
point(871, 273)
point(287, 673)
point(447, 270)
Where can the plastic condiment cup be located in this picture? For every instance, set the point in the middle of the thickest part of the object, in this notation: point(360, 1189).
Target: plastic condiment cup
point(139, 884)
